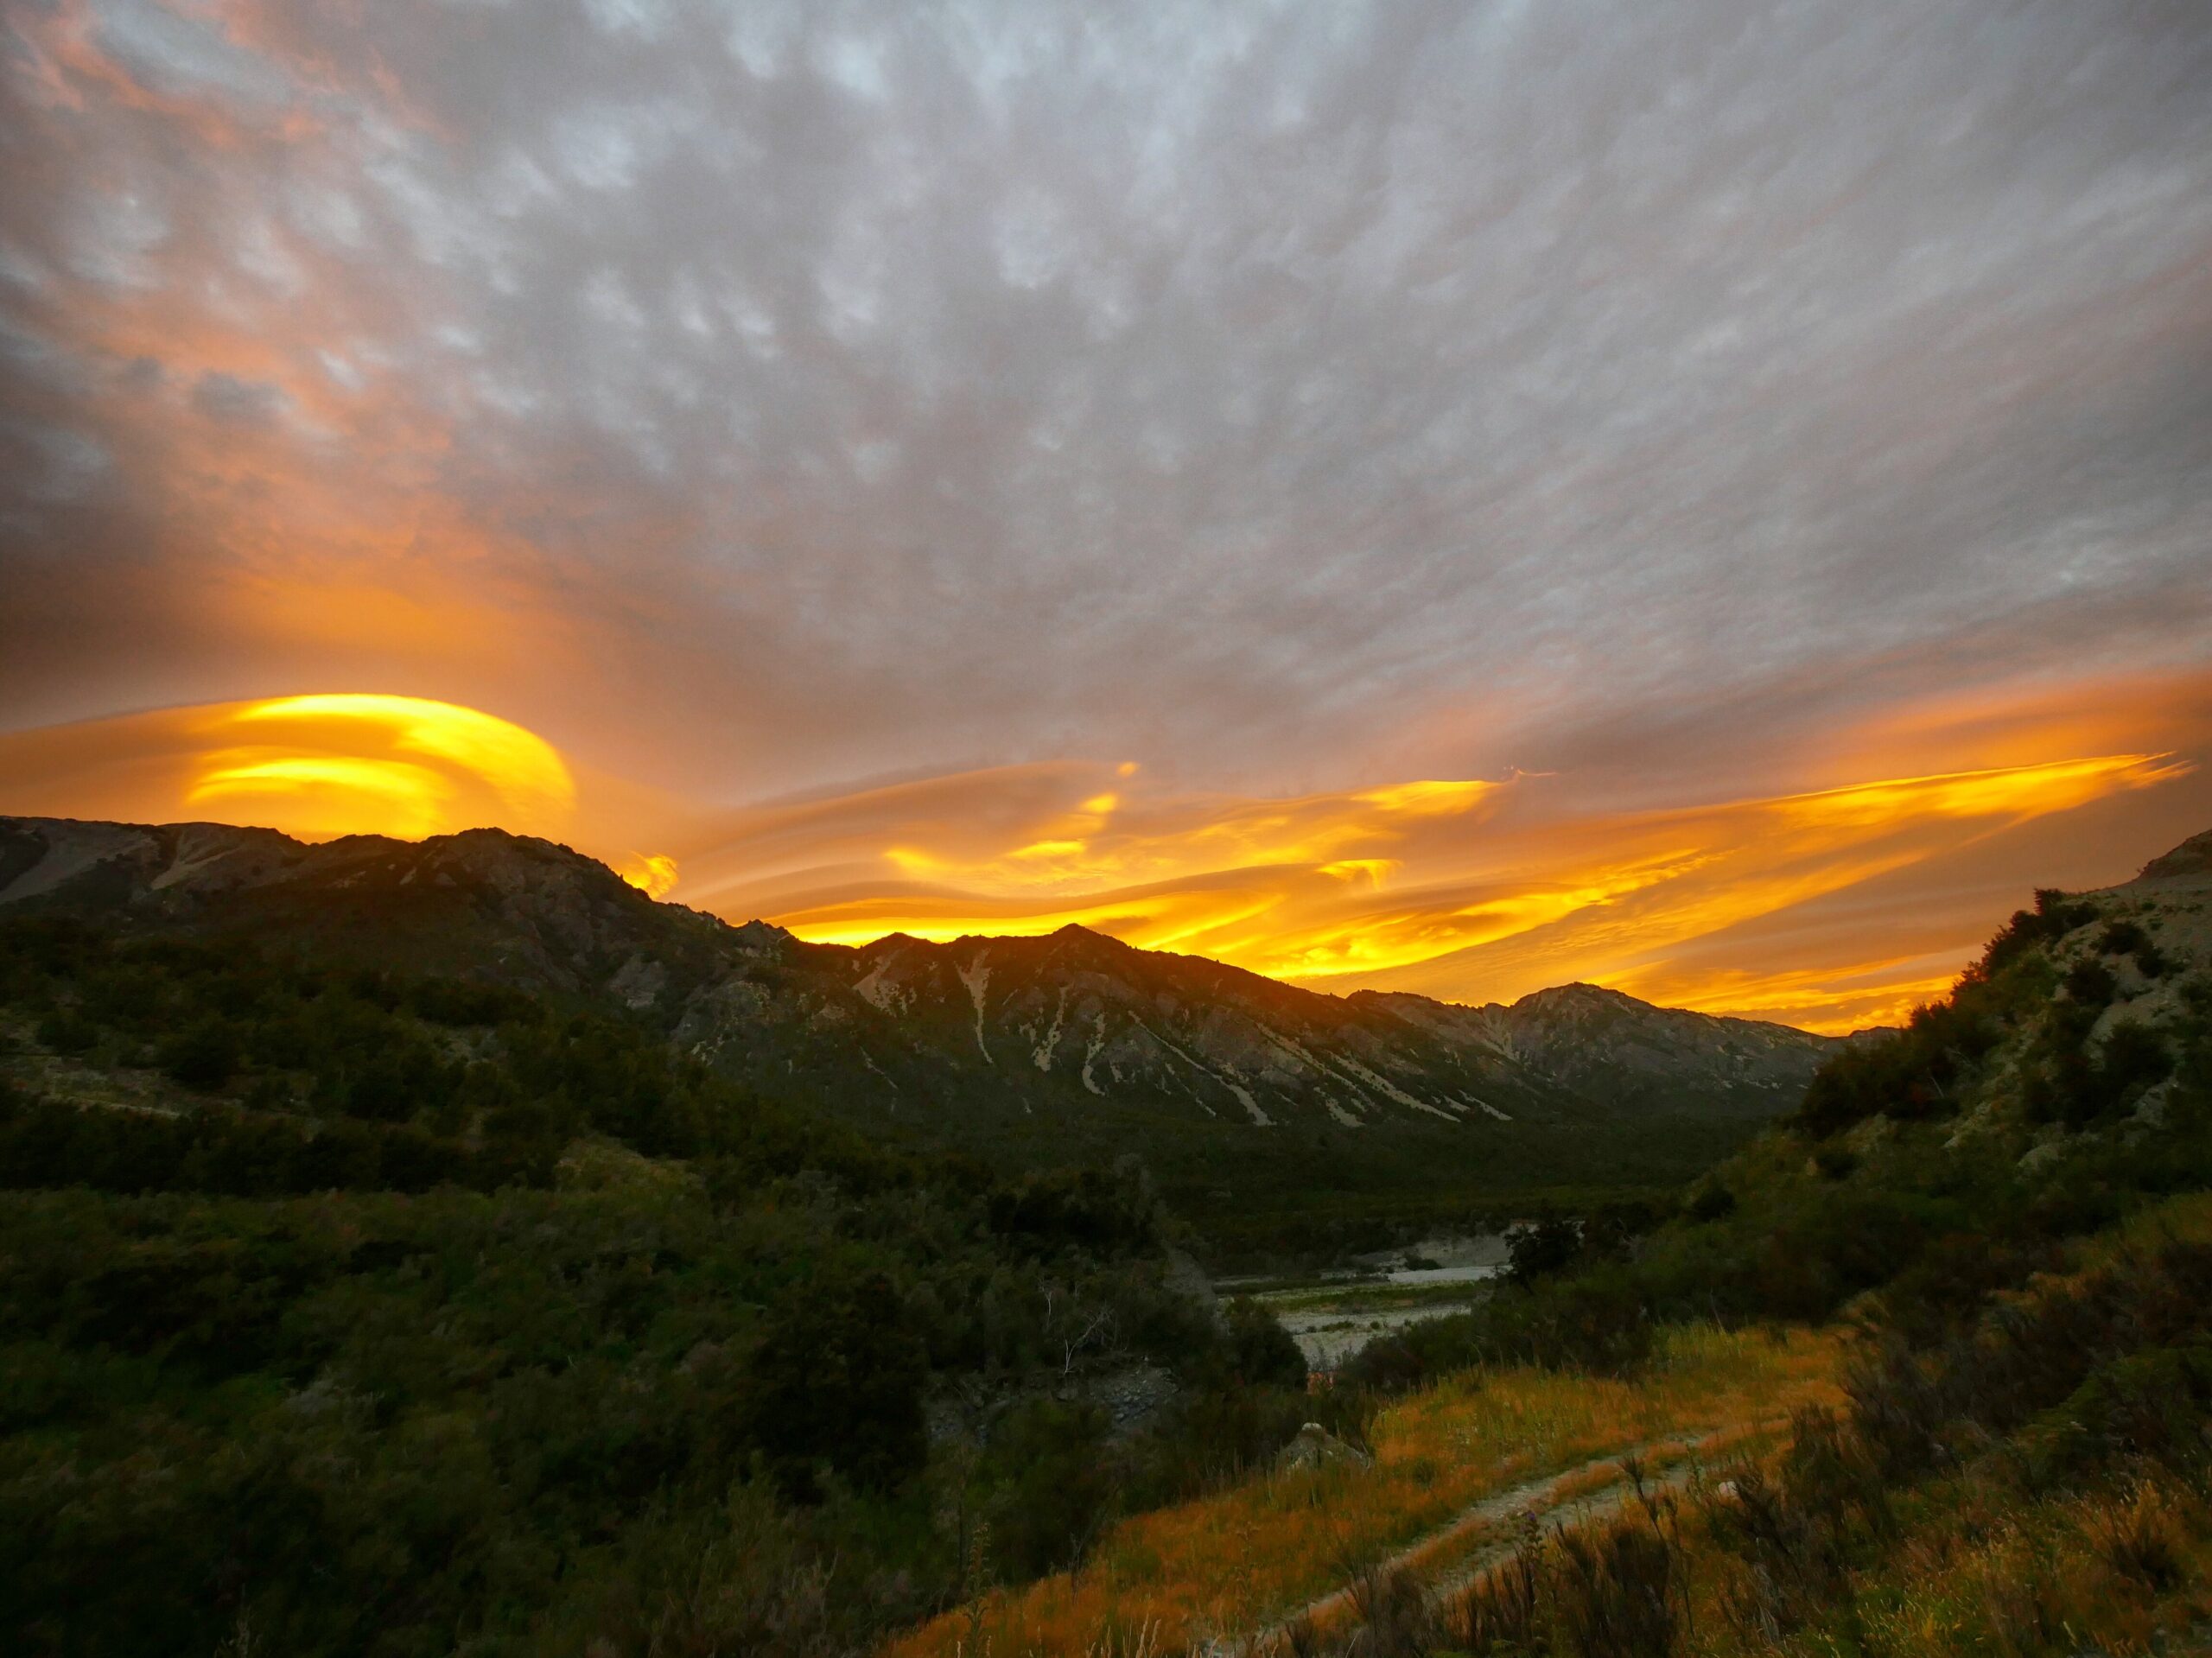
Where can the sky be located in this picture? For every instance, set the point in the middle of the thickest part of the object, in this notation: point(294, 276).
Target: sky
point(1711, 498)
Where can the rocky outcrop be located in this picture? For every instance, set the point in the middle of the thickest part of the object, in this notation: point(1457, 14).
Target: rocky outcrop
point(1314, 1446)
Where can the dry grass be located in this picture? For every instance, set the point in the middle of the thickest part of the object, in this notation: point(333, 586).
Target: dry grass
point(1240, 1560)
point(1984, 1572)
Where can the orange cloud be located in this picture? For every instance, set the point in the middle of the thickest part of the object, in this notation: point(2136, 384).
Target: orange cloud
point(653, 873)
point(314, 766)
point(402, 766)
point(1463, 891)
point(1466, 889)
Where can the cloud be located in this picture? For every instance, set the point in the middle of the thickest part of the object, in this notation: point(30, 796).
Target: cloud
point(1836, 907)
point(1298, 400)
point(234, 402)
point(314, 766)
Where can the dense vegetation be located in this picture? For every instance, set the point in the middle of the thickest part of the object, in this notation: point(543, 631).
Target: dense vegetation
point(351, 1312)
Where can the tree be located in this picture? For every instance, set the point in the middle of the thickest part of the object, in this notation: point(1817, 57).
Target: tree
point(838, 1380)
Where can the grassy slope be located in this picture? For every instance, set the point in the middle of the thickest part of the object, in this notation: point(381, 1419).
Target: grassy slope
point(2011, 1543)
point(1237, 1560)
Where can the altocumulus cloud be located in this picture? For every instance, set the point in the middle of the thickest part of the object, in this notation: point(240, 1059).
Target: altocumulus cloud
point(1682, 402)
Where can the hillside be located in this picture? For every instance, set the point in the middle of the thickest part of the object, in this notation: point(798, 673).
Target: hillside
point(1248, 1097)
point(353, 1311)
point(1925, 1368)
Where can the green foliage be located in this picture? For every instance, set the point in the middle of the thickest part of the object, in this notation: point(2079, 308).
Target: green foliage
point(240, 1154)
point(205, 1055)
point(1544, 1249)
point(2126, 937)
point(432, 1317)
point(1710, 1202)
point(1052, 1487)
point(1918, 1072)
point(2090, 983)
point(836, 1385)
point(2053, 917)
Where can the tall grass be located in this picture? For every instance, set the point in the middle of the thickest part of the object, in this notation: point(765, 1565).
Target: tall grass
point(1240, 1560)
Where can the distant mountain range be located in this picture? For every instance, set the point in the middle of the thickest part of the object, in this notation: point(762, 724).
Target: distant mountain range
point(1021, 1050)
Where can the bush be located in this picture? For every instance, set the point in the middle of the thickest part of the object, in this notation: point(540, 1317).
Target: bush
point(2090, 983)
point(2128, 938)
point(67, 1032)
point(1712, 1202)
point(1053, 1490)
point(206, 1056)
point(1540, 1250)
point(1260, 1352)
point(836, 1384)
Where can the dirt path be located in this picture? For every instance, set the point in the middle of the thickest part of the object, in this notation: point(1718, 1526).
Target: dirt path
point(1574, 1497)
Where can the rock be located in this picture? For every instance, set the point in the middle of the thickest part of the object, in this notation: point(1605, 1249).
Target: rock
point(1132, 1397)
point(2047, 1151)
point(2150, 1109)
point(1316, 1447)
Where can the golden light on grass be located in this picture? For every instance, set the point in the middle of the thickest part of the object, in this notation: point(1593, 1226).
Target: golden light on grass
point(1225, 1565)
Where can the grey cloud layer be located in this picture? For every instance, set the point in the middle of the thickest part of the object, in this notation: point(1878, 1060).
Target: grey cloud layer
point(1285, 396)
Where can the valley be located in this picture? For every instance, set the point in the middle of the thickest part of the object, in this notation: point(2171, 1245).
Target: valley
point(706, 1363)
point(1333, 1313)
point(1000, 829)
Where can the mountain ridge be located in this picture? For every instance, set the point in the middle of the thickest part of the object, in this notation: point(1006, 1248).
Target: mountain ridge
point(1071, 1045)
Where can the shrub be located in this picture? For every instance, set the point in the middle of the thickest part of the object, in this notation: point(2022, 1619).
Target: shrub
point(2090, 983)
point(204, 1055)
point(1258, 1351)
point(67, 1031)
point(1616, 1589)
point(1539, 1250)
point(1503, 1609)
point(2124, 937)
point(1712, 1202)
point(1053, 1492)
point(837, 1383)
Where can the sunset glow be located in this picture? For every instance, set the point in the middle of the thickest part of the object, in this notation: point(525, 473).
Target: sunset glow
point(1374, 504)
point(736, 735)
point(1471, 908)
point(651, 873)
point(1467, 889)
point(323, 766)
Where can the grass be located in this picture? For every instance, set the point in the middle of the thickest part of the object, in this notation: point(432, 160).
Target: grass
point(2011, 1527)
point(2115, 1572)
point(1246, 1556)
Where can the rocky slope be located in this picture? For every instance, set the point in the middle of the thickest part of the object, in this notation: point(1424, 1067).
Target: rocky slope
point(1603, 1042)
point(2064, 1044)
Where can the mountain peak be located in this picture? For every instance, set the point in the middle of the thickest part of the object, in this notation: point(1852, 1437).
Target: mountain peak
point(1578, 993)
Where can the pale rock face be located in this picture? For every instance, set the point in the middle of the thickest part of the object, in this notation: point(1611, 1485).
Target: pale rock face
point(1316, 1447)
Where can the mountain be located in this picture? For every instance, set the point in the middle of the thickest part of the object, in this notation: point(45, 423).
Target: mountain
point(1602, 1043)
point(1026, 1051)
